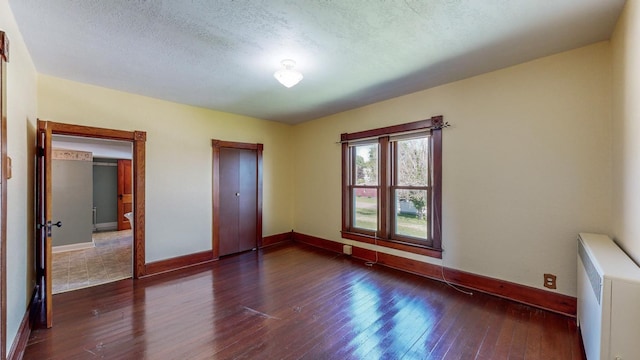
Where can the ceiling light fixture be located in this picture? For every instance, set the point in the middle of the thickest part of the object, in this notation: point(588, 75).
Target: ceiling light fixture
point(287, 76)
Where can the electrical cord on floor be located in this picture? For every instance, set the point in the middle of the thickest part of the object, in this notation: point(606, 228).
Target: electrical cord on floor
point(452, 285)
point(444, 278)
point(375, 242)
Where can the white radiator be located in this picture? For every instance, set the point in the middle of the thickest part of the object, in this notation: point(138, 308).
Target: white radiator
point(608, 299)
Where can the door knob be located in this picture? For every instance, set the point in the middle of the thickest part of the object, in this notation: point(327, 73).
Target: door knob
point(48, 225)
point(237, 194)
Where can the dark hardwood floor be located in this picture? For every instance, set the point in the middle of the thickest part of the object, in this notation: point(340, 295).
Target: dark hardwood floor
point(296, 302)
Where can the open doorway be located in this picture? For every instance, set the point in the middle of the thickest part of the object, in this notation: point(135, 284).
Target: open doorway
point(92, 197)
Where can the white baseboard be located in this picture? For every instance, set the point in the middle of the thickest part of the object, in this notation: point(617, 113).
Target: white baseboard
point(72, 247)
point(106, 226)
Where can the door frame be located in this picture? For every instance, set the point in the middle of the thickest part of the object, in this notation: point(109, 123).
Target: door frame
point(217, 144)
point(138, 139)
point(4, 168)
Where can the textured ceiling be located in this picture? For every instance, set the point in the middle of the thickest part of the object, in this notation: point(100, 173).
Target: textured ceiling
point(222, 54)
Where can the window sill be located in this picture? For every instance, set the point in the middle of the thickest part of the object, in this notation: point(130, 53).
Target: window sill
point(393, 244)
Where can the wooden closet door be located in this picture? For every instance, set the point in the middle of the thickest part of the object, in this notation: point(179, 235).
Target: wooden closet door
point(237, 197)
point(229, 204)
point(247, 201)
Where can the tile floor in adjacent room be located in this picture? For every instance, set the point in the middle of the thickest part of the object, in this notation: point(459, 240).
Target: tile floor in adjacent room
point(109, 260)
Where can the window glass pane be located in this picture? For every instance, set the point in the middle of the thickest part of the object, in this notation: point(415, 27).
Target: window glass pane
point(365, 203)
point(366, 164)
point(411, 213)
point(412, 167)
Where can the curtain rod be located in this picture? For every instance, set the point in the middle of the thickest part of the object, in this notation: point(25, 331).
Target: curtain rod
point(438, 126)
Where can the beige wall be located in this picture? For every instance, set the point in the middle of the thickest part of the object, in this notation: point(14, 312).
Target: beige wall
point(526, 165)
point(625, 45)
point(21, 119)
point(178, 158)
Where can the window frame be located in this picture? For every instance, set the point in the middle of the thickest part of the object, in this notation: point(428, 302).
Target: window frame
point(385, 234)
point(394, 185)
point(353, 186)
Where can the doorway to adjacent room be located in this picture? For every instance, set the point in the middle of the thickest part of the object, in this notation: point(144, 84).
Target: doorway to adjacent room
point(92, 197)
point(45, 221)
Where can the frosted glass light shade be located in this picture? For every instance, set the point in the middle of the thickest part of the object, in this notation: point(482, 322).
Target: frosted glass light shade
point(287, 76)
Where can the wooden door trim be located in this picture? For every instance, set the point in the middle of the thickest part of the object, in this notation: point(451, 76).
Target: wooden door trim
point(4, 57)
point(215, 235)
point(259, 200)
point(45, 142)
point(138, 138)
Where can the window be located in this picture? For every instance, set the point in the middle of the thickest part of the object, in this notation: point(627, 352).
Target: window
point(392, 186)
point(364, 192)
point(410, 188)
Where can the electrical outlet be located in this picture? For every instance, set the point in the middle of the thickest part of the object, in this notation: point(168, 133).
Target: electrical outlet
point(550, 281)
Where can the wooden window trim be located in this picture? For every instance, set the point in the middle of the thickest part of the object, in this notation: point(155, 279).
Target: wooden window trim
point(435, 122)
point(394, 244)
point(385, 236)
point(385, 167)
point(436, 151)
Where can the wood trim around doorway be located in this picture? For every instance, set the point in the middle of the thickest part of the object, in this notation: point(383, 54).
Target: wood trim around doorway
point(4, 57)
point(138, 139)
point(215, 236)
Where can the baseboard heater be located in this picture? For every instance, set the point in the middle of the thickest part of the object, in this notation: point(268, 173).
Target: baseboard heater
point(608, 299)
